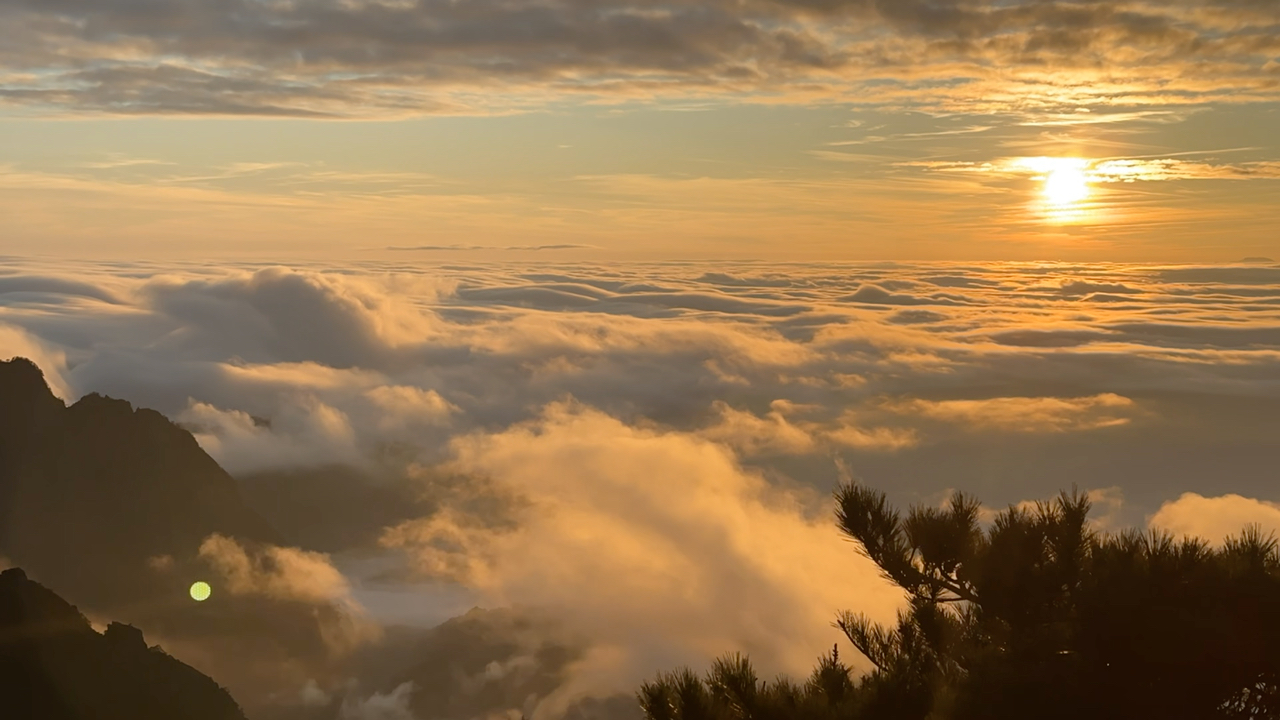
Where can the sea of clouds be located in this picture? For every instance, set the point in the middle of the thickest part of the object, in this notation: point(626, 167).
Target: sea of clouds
point(645, 453)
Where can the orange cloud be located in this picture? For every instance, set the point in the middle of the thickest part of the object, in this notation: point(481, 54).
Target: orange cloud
point(656, 546)
point(1215, 518)
point(1026, 414)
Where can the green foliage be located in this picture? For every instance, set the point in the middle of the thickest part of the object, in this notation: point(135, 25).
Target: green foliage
point(1035, 616)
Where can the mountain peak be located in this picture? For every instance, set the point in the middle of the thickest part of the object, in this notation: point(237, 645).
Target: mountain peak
point(91, 492)
point(26, 402)
point(21, 379)
point(58, 668)
point(21, 369)
point(125, 637)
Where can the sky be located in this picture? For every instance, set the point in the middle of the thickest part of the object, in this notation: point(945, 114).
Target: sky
point(809, 130)
point(510, 297)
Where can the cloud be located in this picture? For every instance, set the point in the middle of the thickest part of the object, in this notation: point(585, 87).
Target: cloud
point(914, 317)
point(1170, 169)
point(850, 435)
point(276, 367)
point(1110, 170)
point(695, 548)
point(776, 433)
point(1084, 287)
point(245, 443)
point(406, 404)
point(287, 315)
point(877, 295)
point(1107, 513)
point(380, 706)
point(1215, 518)
point(515, 432)
point(1025, 414)
point(274, 572)
point(1108, 508)
point(54, 287)
point(327, 58)
point(292, 576)
point(753, 434)
point(448, 248)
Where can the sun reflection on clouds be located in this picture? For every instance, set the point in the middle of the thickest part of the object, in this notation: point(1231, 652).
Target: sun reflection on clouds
point(1072, 190)
point(1065, 188)
point(1066, 180)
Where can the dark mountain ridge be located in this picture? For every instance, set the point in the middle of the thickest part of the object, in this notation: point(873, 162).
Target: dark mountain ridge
point(92, 492)
point(110, 505)
point(55, 666)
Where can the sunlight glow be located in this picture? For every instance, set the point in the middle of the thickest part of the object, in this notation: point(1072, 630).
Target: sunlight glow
point(1066, 191)
point(1066, 180)
point(1066, 186)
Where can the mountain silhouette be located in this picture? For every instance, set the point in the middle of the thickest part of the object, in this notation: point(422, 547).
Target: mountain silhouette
point(55, 666)
point(94, 494)
point(111, 504)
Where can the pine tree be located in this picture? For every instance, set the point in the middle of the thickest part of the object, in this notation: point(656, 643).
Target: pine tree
point(1034, 616)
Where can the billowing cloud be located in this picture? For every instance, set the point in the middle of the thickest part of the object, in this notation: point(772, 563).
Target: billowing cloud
point(312, 433)
point(657, 547)
point(753, 434)
point(292, 575)
point(281, 314)
point(1215, 518)
point(322, 58)
point(274, 572)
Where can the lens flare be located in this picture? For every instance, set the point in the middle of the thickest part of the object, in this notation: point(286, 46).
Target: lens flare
point(200, 591)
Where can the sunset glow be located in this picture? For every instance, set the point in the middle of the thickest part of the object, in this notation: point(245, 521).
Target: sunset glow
point(640, 359)
point(444, 137)
point(1066, 185)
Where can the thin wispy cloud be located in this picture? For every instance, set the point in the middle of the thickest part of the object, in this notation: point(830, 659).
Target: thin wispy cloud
point(1124, 170)
point(448, 248)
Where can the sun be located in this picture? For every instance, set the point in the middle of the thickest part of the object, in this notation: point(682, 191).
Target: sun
point(1066, 190)
point(1066, 185)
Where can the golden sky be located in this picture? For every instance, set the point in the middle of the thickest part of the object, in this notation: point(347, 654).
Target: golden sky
point(369, 253)
point(604, 129)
